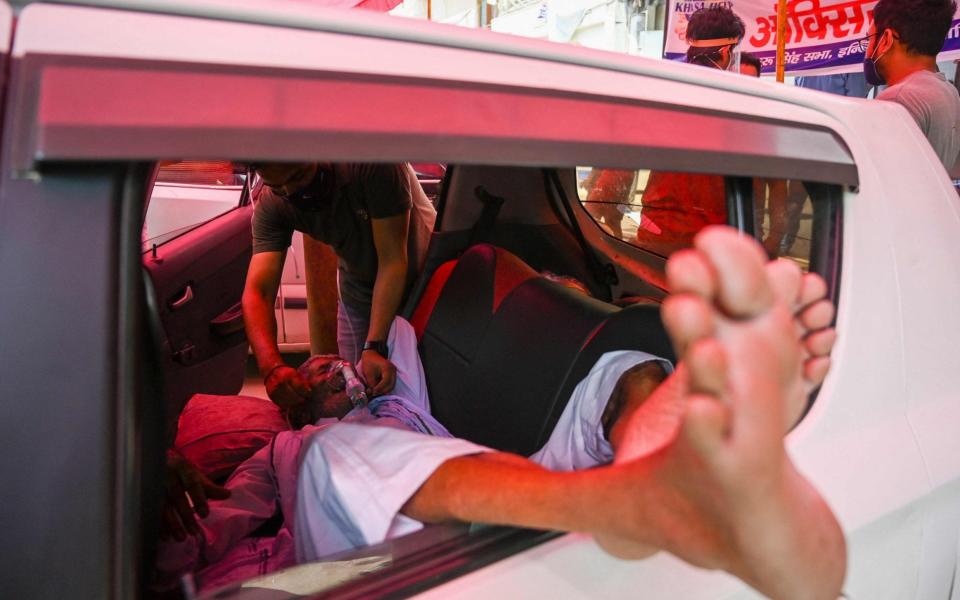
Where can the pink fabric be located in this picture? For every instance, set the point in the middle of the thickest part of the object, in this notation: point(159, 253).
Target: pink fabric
point(261, 487)
point(217, 433)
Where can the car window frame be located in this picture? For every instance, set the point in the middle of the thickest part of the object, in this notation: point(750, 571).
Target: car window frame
point(34, 141)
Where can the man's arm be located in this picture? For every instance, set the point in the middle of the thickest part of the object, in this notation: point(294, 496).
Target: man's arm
point(525, 494)
point(187, 491)
point(390, 240)
point(284, 385)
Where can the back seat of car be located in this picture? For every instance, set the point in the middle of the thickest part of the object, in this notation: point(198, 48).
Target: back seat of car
point(503, 348)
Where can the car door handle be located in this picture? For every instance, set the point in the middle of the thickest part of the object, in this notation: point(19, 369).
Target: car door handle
point(184, 299)
point(229, 322)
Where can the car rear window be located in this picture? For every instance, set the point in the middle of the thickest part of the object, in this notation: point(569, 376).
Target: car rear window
point(661, 211)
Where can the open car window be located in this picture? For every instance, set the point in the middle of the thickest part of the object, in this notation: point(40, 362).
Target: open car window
point(661, 211)
point(188, 193)
point(654, 212)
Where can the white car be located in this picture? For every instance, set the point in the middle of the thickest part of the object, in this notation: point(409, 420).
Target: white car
point(98, 93)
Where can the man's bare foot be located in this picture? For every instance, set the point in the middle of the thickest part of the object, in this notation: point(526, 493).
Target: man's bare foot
point(690, 314)
point(722, 493)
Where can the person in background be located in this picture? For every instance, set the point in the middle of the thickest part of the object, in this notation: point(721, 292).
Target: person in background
point(678, 205)
point(769, 195)
point(714, 34)
point(608, 191)
point(901, 52)
point(749, 65)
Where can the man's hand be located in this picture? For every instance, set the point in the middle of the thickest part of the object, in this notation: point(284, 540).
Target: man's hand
point(286, 387)
point(187, 490)
point(378, 372)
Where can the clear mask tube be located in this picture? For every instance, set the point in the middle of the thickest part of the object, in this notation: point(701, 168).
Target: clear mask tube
point(734, 64)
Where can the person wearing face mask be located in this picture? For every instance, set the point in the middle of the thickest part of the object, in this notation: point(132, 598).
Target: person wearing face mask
point(377, 220)
point(901, 52)
point(678, 205)
point(714, 35)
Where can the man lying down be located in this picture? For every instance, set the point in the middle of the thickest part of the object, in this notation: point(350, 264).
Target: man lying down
point(689, 461)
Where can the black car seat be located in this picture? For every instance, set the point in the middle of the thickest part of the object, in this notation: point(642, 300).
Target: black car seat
point(503, 347)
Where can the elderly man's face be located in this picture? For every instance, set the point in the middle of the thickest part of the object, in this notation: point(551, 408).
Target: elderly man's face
point(328, 390)
point(287, 178)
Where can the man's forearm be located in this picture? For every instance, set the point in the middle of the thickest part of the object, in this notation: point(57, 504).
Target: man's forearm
point(387, 294)
point(261, 326)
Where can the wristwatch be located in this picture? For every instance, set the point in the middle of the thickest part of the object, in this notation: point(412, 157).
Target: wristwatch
point(378, 346)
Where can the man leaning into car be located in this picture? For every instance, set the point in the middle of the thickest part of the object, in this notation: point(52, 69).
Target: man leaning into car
point(377, 220)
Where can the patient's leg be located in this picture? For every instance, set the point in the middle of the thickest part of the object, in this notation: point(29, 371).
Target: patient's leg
point(690, 319)
point(753, 342)
point(721, 493)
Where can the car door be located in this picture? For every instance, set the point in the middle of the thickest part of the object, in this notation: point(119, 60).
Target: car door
point(196, 249)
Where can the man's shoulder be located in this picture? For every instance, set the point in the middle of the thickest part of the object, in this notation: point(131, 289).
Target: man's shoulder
point(272, 222)
point(366, 171)
point(384, 189)
point(268, 202)
point(922, 87)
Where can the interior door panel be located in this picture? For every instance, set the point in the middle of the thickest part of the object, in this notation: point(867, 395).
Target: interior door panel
point(198, 280)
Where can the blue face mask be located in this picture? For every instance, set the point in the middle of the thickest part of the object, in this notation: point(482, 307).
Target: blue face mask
point(870, 72)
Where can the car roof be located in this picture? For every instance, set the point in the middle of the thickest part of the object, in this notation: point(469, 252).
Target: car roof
point(357, 42)
point(315, 16)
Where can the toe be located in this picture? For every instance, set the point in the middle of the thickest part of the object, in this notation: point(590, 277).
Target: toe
point(687, 318)
point(785, 280)
point(817, 316)
point(820, 343)
point(706, 425)
point(689, 273)
point(743, 290)
point(815, 370)
point(812, 289)
point(707, 368)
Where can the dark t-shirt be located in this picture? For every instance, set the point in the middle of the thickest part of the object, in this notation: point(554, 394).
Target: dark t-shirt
point(336, 209)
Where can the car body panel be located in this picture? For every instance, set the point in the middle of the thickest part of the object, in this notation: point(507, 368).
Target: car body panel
point(880, 441)
point(458, 87)
point(58, 398)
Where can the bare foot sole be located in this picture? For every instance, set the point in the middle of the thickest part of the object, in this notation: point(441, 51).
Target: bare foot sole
point(723, 493)
point(698, 300)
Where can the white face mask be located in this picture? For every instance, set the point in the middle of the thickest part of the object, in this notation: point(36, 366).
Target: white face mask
point(734, 64)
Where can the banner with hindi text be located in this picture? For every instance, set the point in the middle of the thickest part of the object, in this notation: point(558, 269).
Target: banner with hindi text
point(822, 35)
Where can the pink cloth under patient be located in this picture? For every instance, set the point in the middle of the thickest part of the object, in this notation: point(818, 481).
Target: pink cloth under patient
point(330, 452)
point(262, 485)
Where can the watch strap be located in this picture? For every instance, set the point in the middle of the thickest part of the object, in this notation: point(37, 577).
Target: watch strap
point(378, 346)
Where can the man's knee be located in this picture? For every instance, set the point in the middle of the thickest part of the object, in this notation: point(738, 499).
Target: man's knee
point(633, 387)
